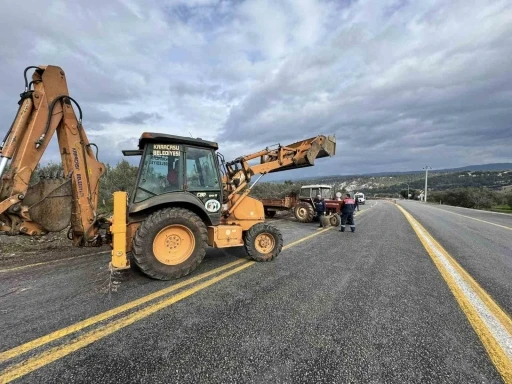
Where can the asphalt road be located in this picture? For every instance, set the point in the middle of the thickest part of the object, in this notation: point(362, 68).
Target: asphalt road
point(368, 306)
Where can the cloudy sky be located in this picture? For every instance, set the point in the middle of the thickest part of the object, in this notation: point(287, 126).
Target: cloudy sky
point(401, 84)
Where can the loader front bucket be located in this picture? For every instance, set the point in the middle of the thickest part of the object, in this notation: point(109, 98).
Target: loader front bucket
point(321, 146)
point(309, 150)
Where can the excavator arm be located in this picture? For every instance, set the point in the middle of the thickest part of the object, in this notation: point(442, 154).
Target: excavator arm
point(238, 173)
point(58, 200)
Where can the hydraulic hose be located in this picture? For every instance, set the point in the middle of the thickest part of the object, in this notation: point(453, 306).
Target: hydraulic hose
point(25, 75)
point(50, 112)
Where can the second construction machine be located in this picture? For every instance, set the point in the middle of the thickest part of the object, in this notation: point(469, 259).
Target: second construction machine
point(186, 196)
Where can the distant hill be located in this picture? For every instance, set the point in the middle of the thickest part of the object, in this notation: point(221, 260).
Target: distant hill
point(479, 167)
point(497, 176)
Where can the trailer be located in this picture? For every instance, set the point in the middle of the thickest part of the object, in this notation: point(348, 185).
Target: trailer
point(271, 206)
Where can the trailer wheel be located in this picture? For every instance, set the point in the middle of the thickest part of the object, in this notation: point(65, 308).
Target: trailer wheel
point(304, 212)
point(270, 214)
point(263, 242)
point(170, 243)
point(335, 220)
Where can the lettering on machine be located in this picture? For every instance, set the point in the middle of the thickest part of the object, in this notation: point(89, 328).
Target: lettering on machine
point(166, 153)
point(76, 162)
point(166, 150)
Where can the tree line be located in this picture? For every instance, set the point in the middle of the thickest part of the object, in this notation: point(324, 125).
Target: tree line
point(122, 177)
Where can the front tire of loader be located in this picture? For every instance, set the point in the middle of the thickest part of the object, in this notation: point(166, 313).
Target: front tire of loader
point(170, 243)
point(263, 242)
point(304, 212)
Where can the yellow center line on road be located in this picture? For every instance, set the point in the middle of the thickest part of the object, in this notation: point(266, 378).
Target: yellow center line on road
point(492, 325)
point(50, 262)
point(14, 352)
point(89, 337)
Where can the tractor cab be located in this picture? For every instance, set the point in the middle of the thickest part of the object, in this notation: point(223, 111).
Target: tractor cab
point(305, 212)
point(175, 169)
point(312, 191)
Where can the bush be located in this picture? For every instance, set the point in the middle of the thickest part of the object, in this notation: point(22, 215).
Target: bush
point(508, 199)
point(121, 177)
point(479, 198)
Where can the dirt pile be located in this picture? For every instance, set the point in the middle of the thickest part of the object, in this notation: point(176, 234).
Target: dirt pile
point(10, 246)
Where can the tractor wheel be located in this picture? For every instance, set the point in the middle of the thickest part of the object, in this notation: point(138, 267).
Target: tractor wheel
point(170, 243)
point(270, 214)
point(304, 212)
point(263, 242)
point(335, 220)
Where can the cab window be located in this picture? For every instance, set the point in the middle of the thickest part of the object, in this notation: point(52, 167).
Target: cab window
point(162, 171)
point(326, 193)
point(201, 170)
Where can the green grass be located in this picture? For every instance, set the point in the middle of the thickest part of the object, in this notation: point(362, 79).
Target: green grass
point(502, 208)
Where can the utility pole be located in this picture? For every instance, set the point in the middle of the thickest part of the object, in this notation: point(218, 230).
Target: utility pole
point(407, 190)
point(426, 177)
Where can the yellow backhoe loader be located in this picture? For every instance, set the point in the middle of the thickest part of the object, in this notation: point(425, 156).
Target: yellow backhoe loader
point(186, 197)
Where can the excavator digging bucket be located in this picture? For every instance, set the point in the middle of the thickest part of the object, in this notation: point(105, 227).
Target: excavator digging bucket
point(50, 203)
point(309, 150)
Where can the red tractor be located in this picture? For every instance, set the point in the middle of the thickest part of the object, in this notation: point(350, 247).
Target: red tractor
point(304, 210)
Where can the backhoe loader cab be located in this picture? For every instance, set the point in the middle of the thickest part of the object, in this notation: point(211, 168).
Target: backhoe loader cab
point(177, 169)
point(177, 196)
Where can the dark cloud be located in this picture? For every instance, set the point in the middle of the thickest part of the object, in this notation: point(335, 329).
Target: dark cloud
point(140, 118)
point(400, 105)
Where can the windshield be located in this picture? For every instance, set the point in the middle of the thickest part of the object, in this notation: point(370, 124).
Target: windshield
point(314, 192)
point(171, 167)
point(162, 171)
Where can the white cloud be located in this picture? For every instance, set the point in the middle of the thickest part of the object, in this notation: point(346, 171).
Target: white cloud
point(400, 83)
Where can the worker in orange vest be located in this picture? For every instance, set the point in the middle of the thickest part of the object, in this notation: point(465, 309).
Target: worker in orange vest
point(348, 206)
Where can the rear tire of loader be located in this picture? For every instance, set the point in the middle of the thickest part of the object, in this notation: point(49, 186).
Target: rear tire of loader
point(263, 242)
point(170, 243)
point(304, 212)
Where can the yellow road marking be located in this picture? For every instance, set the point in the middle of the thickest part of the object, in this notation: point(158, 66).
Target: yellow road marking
point(498, 355)
point(90, 337)
point(11, 353)
point(14, 352)
point(472, 218)
point(49, 262)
